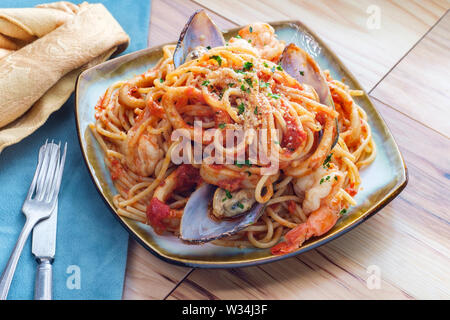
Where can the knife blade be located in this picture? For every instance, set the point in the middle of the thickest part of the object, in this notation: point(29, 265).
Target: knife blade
point(43, 249)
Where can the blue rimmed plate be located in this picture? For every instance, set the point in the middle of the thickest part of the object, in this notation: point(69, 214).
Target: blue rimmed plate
point(382, 181)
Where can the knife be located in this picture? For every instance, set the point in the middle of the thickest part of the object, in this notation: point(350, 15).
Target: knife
point(43, 249)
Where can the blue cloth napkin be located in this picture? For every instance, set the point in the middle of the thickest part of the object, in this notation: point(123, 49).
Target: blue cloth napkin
point(91, 247)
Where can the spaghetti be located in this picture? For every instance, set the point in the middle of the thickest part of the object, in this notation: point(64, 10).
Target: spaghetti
point(235, 87)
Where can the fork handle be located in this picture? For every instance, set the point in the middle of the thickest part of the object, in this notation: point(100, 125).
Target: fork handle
point(43, 288)
point(8, 273)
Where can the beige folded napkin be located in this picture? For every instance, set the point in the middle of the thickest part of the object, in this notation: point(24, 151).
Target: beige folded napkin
point(42, 51)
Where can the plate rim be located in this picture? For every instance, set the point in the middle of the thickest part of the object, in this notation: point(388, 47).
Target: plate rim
point(392, 194)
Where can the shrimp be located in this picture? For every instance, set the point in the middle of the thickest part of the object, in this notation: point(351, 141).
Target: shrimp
point(262, 37)
point(318, 190)
point(143, 159)
point(319, 155)
point(225, 178)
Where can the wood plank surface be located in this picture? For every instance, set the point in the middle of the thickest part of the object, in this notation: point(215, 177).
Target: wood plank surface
point(346, 26)
point(407, 241)
point(148, 277)
point(419, 85)
point(169, 17)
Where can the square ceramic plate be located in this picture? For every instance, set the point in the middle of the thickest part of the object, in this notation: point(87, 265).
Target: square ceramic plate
point(383, 180)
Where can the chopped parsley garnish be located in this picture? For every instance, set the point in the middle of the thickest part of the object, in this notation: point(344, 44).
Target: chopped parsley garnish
point(327, 178)
point(276, 142)
point(240, 205)
point(249, 82)
point(302, 73)
point(161, 80)
point(228, 194)
point(273, 95)
point(246, 162)
point(273, 69)
point(279, 68)
point(239, 71)
point(244, 89)
point(249, 41)
point(265, 65)
point(263, 84)
point(326, 163)
point(208, 47)
point(250, 29)
point(249, 173)
point(221, 125)
point(256, 110)
point(205, 83)
point(238, 36)
point(218, 59)
point(247, 66)
point(231, 85)
point(241, 108)
point(336, 178)
point(343, 211)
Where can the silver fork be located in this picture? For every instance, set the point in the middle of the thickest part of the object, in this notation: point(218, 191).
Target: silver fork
point(38, 205)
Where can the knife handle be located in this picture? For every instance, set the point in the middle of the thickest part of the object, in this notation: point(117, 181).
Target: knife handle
point(43, 286)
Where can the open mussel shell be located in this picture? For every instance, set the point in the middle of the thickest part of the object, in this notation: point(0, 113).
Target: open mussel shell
point(197, 226)
point(302, 67)
point(200, 31)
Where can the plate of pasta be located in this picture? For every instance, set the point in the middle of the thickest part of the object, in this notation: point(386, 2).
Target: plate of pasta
point(235, 148)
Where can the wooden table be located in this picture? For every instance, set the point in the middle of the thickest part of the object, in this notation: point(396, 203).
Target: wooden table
point(403, 62)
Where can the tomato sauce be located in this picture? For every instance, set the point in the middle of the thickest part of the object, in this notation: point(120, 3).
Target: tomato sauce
point(291, 207)
point(294, 136)
point(351, 191)
point(157, 211)
point(263, 76)
point(230, 184)
point(134, 92)
point(187, 177)
point(99, 106)
point(116, 169)
point(156, 110)
point(221, 117)
point(216, 166)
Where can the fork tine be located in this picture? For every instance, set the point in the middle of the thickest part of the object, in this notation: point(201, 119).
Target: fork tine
point(55, 176)
point(43, 170)
point(38, 170)
point(58, 176)
point(51, 172)
point(49, 195)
